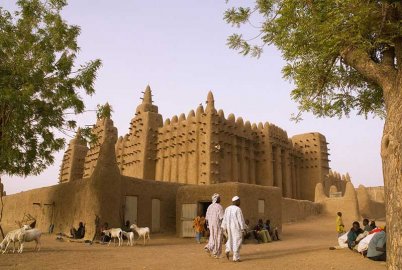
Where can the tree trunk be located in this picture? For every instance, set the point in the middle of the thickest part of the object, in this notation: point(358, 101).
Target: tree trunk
point(1, 214)
point(391, 153)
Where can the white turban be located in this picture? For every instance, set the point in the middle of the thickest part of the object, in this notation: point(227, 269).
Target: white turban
point(215, 197)
point(235, 198)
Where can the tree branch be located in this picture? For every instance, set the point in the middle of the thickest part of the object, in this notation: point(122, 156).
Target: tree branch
point(360, 60)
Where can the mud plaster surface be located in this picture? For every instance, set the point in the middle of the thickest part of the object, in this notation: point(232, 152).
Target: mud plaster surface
point(304, 246)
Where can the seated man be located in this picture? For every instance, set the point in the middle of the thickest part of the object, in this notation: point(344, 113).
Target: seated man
point(247, 231)
point(258, 228)
point(273, 232)
point(376, 248)
point(366, 225)
point(261, 234)
point(78, 233)
point(126, 227)
point(104, 238)
point(353, 233)
point(373, 225)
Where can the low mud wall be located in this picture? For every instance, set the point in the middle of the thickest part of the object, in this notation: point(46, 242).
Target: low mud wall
point(295, 210)
point(63, 205)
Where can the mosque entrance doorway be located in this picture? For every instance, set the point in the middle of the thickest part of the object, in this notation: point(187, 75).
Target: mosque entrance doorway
point(203, 206)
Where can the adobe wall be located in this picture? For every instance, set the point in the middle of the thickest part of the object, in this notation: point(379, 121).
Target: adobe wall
point(348, 204)
point(295, 210)
point(146, 190)
point(79, 200)
point(249, 196)
point(376, 193)
point(369, 208)
point(69, 206)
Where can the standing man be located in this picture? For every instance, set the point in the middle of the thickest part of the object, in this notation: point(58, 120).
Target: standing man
point(233, 223)
point(214, 218)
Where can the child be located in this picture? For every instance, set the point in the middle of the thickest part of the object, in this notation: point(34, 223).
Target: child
point(339, 224)
point(199, 227)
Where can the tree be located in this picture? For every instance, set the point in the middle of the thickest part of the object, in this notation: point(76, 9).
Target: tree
point(40, 84)
point(344, 57)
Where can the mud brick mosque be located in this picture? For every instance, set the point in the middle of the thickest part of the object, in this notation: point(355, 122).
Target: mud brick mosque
point(161, 174)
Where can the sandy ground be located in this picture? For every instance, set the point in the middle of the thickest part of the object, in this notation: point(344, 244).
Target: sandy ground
point(304, 245)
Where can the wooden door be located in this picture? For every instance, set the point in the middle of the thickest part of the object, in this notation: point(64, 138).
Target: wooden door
point(188, 214)
point(130, 210)
point(156, 215)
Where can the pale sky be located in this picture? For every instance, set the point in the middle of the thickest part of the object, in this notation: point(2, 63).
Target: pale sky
point(178, 48)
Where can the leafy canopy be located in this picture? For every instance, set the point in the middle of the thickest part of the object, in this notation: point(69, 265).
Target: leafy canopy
point(39, 83)
point(322, 42)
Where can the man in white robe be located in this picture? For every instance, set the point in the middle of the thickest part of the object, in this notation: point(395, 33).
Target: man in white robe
point(214, 218)
point(233, 223)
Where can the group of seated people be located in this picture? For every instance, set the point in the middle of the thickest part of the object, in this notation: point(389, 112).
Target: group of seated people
point(79, 233)
point(370, 241)
point(262, 232)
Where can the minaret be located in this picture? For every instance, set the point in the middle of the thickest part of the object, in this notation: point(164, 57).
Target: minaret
point(212, 140)
point(147, 104)
point(210, 103)
point(72, 167)
point(140, 153)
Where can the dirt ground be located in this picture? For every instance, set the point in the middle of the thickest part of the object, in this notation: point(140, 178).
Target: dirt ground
point(304, 245)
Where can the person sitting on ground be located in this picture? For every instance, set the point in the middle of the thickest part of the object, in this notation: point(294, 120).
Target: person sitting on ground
point(247, 231)
point(256, 230)
point(104, 238)
point(78, 233)
point(377, 247)
point(366, 225)
point(273, 232)
point(340, 228)
point(372, 225)
point(353, 234)
point(260, 233)
point(126, 228)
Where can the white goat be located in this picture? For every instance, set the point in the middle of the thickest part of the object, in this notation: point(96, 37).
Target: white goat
point(144, 232)
point(13, 236)
point(114, 233)
point(29, 236)
point(130, 237)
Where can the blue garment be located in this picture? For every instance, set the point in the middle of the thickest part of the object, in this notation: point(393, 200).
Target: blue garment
point(352, 235)
point(198, 236)
point(378, 241)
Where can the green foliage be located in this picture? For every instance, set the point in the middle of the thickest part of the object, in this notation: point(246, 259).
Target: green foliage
point(86, 134)
point(315, 38)
point(39, 84)
point(104, 111)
